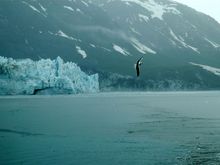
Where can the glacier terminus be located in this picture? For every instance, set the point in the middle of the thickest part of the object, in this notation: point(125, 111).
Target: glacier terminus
point(18, 77)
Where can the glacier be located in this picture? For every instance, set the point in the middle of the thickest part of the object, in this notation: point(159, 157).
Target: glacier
point(46, 76)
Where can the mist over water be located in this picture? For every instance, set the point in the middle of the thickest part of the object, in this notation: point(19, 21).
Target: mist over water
point(111, 128)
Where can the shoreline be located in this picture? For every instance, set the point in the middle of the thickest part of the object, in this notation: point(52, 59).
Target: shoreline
point(112, 93)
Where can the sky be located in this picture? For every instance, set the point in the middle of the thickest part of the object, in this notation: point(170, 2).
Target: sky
point(209, 7)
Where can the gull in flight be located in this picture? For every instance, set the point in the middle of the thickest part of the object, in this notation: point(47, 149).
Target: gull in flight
point(138, 63)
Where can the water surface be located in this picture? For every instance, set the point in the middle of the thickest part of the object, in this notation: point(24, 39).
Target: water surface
point(111, 128)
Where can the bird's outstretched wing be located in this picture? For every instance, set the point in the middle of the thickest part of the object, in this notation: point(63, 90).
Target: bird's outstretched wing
point(139, 61)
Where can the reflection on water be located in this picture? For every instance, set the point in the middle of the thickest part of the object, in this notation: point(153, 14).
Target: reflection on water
point(23, 133)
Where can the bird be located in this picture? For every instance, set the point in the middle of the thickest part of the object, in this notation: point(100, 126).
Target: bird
point(138, 63)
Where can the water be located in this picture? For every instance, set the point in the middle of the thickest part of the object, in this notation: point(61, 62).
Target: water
point(111, 128)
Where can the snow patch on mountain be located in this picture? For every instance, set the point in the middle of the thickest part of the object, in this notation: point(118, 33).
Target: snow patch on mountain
point(127, 3)
point(141, 47)
point(129, 21)
point(34, 8)
point(92, 45)
point(120, 50)
point(134, 31)
point(80, 11)
point(181, 41)
point(64, 35)
point(215, 45)
point(106, 49)
point(213, 70)
point(86, 4)
point(68, 8)
point(157, 10)
point(81, 52)
point(43, 8)
point(44, 77)
point(194, 49)
point(143, 17)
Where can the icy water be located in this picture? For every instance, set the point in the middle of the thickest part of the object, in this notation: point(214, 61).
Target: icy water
point(111, 128)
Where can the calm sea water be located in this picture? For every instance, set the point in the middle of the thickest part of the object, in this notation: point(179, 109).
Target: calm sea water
point(126, 128)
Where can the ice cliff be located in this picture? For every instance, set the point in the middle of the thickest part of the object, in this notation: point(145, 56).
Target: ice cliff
point(44, 77)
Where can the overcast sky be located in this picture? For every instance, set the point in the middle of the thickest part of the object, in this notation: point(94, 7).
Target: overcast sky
point(210, 7)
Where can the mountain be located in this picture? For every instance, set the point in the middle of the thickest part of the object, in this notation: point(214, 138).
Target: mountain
point(109, 36)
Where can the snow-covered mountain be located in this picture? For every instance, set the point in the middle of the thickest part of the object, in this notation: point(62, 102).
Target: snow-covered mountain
point(108, 36)
point(44, 77)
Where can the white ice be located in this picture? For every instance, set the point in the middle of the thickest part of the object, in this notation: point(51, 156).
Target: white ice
point(46, 76)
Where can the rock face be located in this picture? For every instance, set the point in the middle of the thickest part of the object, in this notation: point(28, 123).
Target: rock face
point(108, 36)
point(44, 77)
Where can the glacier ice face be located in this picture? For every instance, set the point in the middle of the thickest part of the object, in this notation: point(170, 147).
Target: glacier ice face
point(44, 77)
